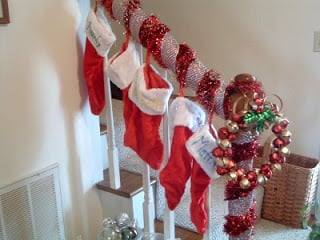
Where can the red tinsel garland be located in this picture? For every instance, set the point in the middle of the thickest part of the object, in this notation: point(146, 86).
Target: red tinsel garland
point(184, 58)
point(206, 90)
point(236, 225)
point(244, 87)
point(151, 34)
point(245, 151)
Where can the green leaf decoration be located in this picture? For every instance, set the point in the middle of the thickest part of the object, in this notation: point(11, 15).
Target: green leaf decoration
point(270, 116)
point(250, 117)
point(260, 118)
point(312, 236)
point(315, 228)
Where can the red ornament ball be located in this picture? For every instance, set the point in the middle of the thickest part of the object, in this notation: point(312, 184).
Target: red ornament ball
point(266, 170)
point(218, 152)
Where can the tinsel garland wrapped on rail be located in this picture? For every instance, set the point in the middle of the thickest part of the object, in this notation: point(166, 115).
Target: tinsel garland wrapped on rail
point(248, 115)
point(242, 103)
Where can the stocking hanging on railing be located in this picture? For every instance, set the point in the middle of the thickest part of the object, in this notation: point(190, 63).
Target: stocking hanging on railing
point(99, 40)
point(241, 103)
point(145, 106)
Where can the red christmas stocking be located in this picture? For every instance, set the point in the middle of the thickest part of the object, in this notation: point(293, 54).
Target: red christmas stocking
point(93, 72)
point(99, 32)
point(187, 118)
point(99, 40)
point(200, 182)
point(144, 106)
point(178, 170)
point(200, 145)
point(123, 65)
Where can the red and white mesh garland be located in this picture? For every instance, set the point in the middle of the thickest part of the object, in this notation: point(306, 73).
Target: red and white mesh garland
point(216, 97)
point(249, 114)
point(165, 47)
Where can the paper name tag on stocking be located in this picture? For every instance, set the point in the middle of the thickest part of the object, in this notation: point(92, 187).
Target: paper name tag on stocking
point(200, 145)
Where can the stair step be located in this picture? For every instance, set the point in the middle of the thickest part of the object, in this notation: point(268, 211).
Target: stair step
point(103, 129)
point(131, 183)
point(180, 232)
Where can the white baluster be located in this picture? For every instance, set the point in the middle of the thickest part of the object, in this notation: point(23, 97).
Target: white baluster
point(168, 224)
point(114, 172)
point(148, 204)
point(168, 218)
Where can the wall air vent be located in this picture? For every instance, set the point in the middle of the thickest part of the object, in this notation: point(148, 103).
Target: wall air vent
point(31, 208)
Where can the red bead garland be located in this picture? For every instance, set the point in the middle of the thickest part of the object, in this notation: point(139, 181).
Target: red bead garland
point(248, 114)
point(151, 34)
point(235, 191)
point(228, 154)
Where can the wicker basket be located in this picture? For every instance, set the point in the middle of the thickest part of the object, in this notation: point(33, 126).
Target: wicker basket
point(289, 190)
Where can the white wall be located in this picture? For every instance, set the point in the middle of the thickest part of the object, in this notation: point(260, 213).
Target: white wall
point(45, 118)
point(272, 40)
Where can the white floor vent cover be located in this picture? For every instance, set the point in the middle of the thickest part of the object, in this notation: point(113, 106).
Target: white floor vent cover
point(31, 208)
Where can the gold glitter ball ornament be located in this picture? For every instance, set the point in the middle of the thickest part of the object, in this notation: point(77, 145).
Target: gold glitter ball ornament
point(244, 183)
point(232, 126)
point(285, 152)
point(224, 144)
point(222, 162)
point(286, 134)
point(276, 166)
point(233, 176)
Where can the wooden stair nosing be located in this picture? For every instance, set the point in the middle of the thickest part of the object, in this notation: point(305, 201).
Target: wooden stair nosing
point(131, 183)
point(103, 129)
point(180, 232)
